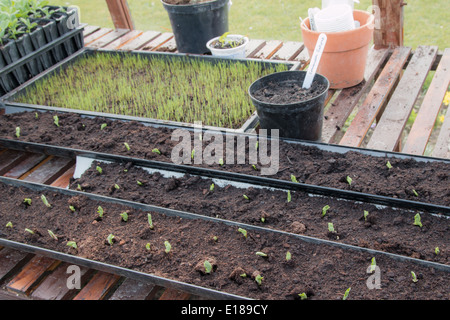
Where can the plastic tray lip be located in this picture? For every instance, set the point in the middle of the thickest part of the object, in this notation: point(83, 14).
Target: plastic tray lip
point(189, 215)
point(246, 126)
point(20, 107)
point(231, 176)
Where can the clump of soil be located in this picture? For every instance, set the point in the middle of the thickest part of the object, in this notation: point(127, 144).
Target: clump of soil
point(287, 92)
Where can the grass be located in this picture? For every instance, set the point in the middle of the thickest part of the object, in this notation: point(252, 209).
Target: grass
point(179, 90)
point(426, 22)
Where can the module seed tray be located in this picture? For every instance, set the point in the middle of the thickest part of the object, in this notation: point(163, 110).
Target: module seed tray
point(321, 269)
point(158, 162)
point(185, 96)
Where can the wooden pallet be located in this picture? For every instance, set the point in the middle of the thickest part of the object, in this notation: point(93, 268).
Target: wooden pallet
point(379, 107)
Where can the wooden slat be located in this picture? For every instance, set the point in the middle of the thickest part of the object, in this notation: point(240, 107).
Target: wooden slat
point(10, 262)
point(98, 287)
point(253, 47)
point(32, 160)
point(140, 41)
point(132, 289)
point(10, 158)
point(88, 30)
point(426, 118)
point(389, 15)
point(49, 170)
point(120, 14)
point(442, 146)
point(172, 294)
point(303, 57)
point(168, 46)
point(157, 42)
point(117, 44)
point(288, 51)
point(376, 98)
point(270, 48)
point(108, 38)
point(31, 274)
point(96, 35)
point(337, 114)
point(388, 131)
point(64, 180)
point(54, 286)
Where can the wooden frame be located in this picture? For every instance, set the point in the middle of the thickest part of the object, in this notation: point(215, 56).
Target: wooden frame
point(120, 14)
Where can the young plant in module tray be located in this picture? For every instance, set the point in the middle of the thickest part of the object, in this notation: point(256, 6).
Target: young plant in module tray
point(165, 89)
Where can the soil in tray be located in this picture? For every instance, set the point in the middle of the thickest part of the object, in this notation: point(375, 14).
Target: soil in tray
point(385, 229)
point(319, 270)
point(287, 92)
point(406, 179)
point(165, 89)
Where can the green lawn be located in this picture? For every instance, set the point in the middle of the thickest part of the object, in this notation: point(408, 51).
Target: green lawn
point(426, 22)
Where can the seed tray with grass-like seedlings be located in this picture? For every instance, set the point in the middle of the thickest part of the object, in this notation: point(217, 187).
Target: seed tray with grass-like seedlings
point(173, 88)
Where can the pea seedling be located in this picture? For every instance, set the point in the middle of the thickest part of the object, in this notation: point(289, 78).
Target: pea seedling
point(156, 151)
point(389, 165)
point(366, 214)
point(27, 201)
point(211, 187)
point(436, 250)
point(72, 208)
point(18, 132)
point(289, 197)
point(349, 180)
point(288, 256)
point(259, 279)
point(127, 146)
point(168, 246)
point(56, 121)
point(110, 239)
point(325, 209)
point(347, 292)
point(417, 220)
point(100, 212)
point(99, 169)
point(72, 244)
point(414, 277)
point(124, 216)
point(293, 178)
point(52, 235)
point(261, 254)
point(103, 126)
point(29, 231)
point(303, 296)
point(373, 265)
point(150, 221)
point(208, 266)
point(44, 200)
point(243, 231)
point(331, 227)
point(9, 225)
point(246, 197)
point(148, 246)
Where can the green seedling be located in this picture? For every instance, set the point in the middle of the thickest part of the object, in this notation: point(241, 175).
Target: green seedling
point(221, 162)
point(116, 186)
point(347, 292)
point(29, 231)
point(263, 219)
point(127, 146)
point(259, 279)
point(294, 179)
point(417, 220)
point(139, 183)
point(303, 296)
point(193, 154)
point(156, 151)
point(243, 275)
point(436, 250)
point(99, 169)
point(72, 244)
point(79, 187)
point(373, 265)
point(124, 216)
point(45, 201)
point(9, 225)
point(415, 193)
point(27, 201)
point(211, 187)
point(52, 235)
point(208, 267)
point(349, 180)
point(289, 197)
point(168, 246)
point(243, 231)
point(389, 165)
point(288, 256)
point(257, 145)
point(110, 239)
point(148, 247)
point(325, 209)
point(331, 227)
point(56, 121)
point(414, 277)
point(261, 254)
point(18, 132)
point(254, 167)
point(100, 212)
point(36, 115)
point(150, 221)
point(246, 197)
point(72, 208)
point(215, 238)
point(366, 214)
point(103, 126)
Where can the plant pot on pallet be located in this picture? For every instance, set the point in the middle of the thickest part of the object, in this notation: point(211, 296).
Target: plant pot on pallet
point(230, 46)
point(282, 104)
point(344, 58)
point(194, 25)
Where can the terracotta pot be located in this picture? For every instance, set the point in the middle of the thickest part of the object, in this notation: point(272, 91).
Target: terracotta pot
point(344, 58)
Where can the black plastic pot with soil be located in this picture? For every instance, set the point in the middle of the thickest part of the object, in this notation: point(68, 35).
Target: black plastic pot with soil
point(194, 24)
point(282, 104)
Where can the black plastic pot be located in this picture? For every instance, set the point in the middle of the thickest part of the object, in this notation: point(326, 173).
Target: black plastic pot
point(194, 25)
point(38, 40)
point(25, 47)
point(10, 55)
point(301, 120)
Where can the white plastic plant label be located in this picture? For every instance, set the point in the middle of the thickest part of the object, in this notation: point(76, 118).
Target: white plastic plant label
point(318, 50)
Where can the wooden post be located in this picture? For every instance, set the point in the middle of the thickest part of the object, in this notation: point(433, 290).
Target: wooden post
point(120, 14)
point(389, 28)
